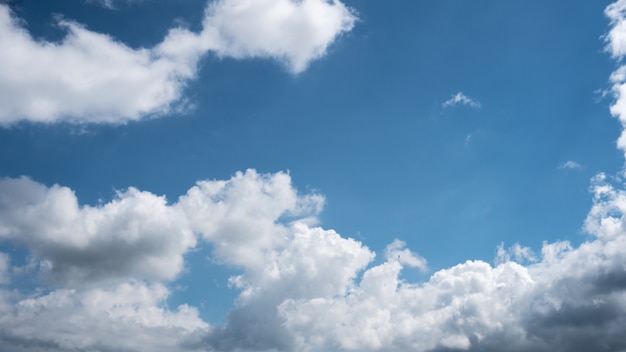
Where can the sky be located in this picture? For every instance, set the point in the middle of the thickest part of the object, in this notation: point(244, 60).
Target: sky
point(312, 175)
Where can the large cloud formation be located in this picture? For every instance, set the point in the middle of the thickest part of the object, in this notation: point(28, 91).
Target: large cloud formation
point(91, 77)
point(105, 273)
point(302, 288)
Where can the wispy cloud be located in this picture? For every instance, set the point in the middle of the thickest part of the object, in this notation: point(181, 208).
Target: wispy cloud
point(570, 165)
point(461, 99)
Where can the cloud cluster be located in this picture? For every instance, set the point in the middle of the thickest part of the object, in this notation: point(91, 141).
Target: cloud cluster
point(301, 287)
point(107, 266)
point(570, 299)
point(91, 77)
point(104, 270)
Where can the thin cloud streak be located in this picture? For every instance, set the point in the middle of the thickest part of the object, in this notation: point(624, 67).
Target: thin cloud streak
point(570, 165)
point(461, 99)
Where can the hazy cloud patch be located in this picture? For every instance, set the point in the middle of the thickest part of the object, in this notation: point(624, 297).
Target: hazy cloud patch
point(570, 165)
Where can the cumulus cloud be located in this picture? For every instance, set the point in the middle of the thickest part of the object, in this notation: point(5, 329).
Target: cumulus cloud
point(91, 77)
point(616, 45)
point(293, 31)
point(301, 287)
point(136, 234)
point(107, 264)
point(571, 299)
point(461, 99)
point(127, 317)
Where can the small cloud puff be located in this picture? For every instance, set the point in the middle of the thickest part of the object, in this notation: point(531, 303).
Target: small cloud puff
point(570, 165)
point(462, 99)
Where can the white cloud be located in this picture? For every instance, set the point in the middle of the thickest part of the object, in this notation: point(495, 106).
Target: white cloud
point(127, 317)
point(240, 217)
point(136, 234)
point(295, 32)
point(301, 287)
point(616, 37)
point(616, 45)
point(517, 253)
point(92, 78)
point(397, 250)
point(462, 99)
point(570, 165)
point(474, 306)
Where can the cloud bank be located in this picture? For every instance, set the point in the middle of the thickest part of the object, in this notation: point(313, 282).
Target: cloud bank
point(91, 77)
point(105, 271)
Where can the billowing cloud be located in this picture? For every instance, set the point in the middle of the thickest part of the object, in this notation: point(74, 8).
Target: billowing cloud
point(127, 317)
point(301, 287)
point(136, 234)
point(572, 299)
point(105, 273)
point(461, 99)
point(91, 77)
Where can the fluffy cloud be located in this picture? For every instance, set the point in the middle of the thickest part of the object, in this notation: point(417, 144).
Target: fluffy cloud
point(136, 234)
point(571, 299)
point(313, 263)
point(91, 77)
point(240, 217)
point(301, 287)
point(107, 263)
point(616, 45)
point(127, 317)
point(293, 31)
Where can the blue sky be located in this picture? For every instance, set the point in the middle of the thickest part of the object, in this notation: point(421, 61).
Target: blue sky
point(260, 175)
